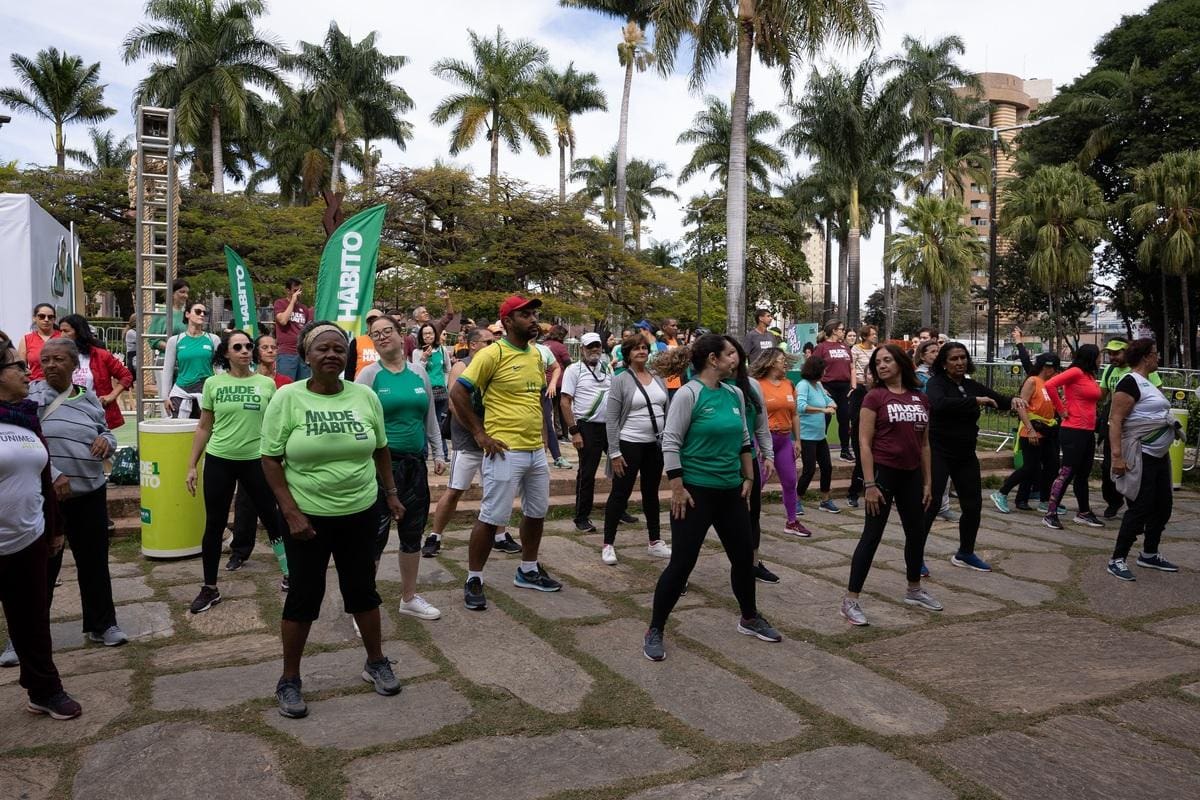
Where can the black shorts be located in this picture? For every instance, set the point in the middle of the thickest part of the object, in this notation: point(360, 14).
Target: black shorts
point(350, 540)
point(411, 476)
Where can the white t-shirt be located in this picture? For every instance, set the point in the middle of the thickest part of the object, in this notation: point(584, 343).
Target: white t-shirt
point(82, 376)
point(22, 459)
point(588, 388)
point(637, 425)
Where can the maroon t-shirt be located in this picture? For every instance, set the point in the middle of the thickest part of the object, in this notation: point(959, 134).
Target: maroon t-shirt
point(838, 361)
point(288, 336)
point(900, 424)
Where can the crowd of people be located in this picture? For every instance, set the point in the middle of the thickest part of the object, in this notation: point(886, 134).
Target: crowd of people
point(326, 440)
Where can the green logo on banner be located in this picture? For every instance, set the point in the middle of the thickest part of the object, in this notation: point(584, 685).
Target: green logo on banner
point(241, 293)
point(346, 278)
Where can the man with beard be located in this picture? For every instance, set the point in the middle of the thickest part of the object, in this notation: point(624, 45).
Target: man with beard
point(585, 386)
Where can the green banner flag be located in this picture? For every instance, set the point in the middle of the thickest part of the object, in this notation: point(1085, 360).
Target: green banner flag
point(241, 293)
point(346, 278)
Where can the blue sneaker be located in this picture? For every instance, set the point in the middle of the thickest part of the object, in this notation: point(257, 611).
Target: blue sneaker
point(1155, 561)
point(970, 560)
point(537, 580)
point(924, 570)
point(1119, 570)
point(1000, 501)
point(799, 509)
point(830, 506)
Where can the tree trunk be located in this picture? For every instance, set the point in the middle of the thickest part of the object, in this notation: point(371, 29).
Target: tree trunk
point(854, 261)
point(1165, 344)
point(946, 311)
point(1188, 340)
point(60, 147)
point(889, 302)
point(827, 299)
point(623, 152)
point(843, 262)
point(735, 186)
point(494, 167)
point(926, 307)
point(368, 170)
point(218, 164)
point(339, 137)
point(562, 173)
point(636, 224)
point(927, 156)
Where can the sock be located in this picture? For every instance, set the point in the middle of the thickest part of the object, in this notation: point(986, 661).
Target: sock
point(435, 536)
point(500, 536)
point(529, 566)
point(473, 574)
point(280, 556)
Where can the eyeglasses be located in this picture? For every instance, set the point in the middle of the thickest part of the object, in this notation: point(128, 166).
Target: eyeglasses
point(45, 316)
point(239, 347)
point(382, 333)
point(21, 365)
point(200, 312)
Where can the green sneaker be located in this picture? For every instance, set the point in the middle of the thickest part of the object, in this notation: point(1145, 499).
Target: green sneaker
point(1000, 501)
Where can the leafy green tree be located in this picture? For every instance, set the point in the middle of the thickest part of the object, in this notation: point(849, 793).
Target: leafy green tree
point(571, 93)
point(711, 131)
point(60, 89)
point(643, 185)
point(779, 33)
point(108, 152)
point(500, 96)
point(211, 55)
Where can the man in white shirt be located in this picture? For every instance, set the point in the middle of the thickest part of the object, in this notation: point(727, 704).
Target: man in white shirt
point(585, 386)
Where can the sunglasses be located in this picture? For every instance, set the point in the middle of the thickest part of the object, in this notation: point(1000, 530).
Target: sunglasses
point(200, 312)
point(21, 365)
point(239, 347)
point(45, 316)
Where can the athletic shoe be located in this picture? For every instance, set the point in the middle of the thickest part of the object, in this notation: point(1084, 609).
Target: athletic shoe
point(852, 501)
point(924, 570)
point(58, 705)
point(432, 546)
point(799, 509)
point(1156, 562)
point(1052, 521)
point(1088, 518)
point(628, 518)
point(9, 657)
point(1044, 508)
point(923, 599)
point(1024, 507)
point(763, 574)
point(113, 636)
point(562, 463)
point(1000, 501)
point(419, 607)
point(659, 549)
point(948, 514)
point(537, 580)
point(794, 527)
point(847, 456)
point(291, 702)
point(1119, 570)
point(830, 506)
point(283, 584)
point(853, 612)
point(507, 545)
point(380, 674)
point(608, 554)
point(473, 597)
point(759, 627)
point(585, 526)
point(970, 560)
point(209, 596)
point(652, 645)
point(1111, 512)
point(226, 541)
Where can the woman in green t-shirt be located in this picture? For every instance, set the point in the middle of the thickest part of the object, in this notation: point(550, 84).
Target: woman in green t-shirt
point(187, 364)
point(324, 449)
point(432, 357)
point(231, 417)
point(708, 458)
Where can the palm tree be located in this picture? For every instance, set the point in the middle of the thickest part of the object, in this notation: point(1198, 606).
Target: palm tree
point(632, 53)
point(780, 33)
point(711, 132)
point(643, 184)
point(935, 249)
point(298, 150)
point(662, 253)
point(1167, 209)
point(571, 93)
point(60, 89)
point(599, 176)
point(108, 152)
point(820, 197)
point(1056, 217)
point(1110, 97)
point(501, 97)
point(214, 54)
point(352, 82)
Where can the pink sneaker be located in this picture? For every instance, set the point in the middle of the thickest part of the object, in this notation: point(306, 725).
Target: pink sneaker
point(795, 527)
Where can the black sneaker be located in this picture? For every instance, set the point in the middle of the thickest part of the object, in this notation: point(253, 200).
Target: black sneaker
point(1111, 512)
point(59, 705)
point(283, 584)
point(537, 580)
point(847, 456)
point(234, 563)
point(628, 518)
point(473, 597)
point(763, 574)
point(1156, 562)
point(1088, 518)
point(432, 546)
point(652, 645)
point(585, 526)
point(507, 545)
point(760, 628)
point(209, 596)
point(1051, 521)
point(1024, 507)
point(381, 675)
point(291, 702)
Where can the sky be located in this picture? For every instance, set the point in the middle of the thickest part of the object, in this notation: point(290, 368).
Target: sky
point(1029, 38)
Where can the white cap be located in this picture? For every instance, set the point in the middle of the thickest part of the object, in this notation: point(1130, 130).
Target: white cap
point(589, 338)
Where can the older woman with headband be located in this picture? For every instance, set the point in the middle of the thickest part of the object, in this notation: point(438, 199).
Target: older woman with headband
point(325, 455)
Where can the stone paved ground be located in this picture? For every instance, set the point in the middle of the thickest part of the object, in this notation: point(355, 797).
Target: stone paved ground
point(1045, 679)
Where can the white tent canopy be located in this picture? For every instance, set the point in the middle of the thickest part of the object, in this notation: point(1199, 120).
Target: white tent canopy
point(40, 264)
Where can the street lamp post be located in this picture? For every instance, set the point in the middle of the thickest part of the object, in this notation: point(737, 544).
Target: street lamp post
point(992, 316)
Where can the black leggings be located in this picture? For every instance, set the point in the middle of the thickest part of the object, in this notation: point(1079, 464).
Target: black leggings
point(812, 455)
point(756, 506)
point(1078, 453)
point(1150, 511)
point(644, 458)
point(84, 518)
point(963, 469)
point(902, 487)
point(410, 474)
point(856, 477)
point(220, 477)
point(840, 392)
point(726, 511)
point(1039, 465)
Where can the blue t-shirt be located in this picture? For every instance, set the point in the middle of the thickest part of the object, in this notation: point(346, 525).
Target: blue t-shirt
point(812, 426)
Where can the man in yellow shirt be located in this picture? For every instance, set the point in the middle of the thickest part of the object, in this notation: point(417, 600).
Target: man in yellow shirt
point(509, 375)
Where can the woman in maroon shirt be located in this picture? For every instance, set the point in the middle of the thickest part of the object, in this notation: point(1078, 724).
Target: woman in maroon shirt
point(838, 379)
point(1077, 434)
point(893, 440)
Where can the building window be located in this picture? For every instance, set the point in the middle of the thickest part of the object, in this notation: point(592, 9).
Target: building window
point(979, 204)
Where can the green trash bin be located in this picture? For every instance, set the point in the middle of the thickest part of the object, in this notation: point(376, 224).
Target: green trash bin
point(1177, 448)
point(172, 520)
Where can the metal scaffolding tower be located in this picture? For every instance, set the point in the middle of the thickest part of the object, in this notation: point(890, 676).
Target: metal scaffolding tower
point(156, 207)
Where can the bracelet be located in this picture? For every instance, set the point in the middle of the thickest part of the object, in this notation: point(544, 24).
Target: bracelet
point(870, 485)
point(393, 491)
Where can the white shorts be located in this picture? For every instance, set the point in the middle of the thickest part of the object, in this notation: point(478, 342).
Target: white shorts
point(505, 476)
point(464, 466)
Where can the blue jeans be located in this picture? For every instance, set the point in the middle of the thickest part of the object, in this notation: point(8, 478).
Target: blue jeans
point(289, 364)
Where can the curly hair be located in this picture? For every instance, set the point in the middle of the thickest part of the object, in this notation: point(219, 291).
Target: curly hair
point(813, 369)
point(764, 360)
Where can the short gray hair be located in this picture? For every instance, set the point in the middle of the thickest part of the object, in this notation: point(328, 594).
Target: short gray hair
point(64, 343)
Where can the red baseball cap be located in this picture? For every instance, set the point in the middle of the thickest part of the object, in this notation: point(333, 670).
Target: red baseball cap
point(516, 303)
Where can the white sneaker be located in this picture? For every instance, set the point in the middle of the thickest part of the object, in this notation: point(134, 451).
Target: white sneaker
point(659, 549)
point(420, 608)
point(227, 541)
point(608, 554)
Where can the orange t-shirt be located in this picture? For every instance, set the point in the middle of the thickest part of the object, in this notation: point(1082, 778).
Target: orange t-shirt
point(676, 381)
point(781, 404)
point(1040, 405)
point(365, 352)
